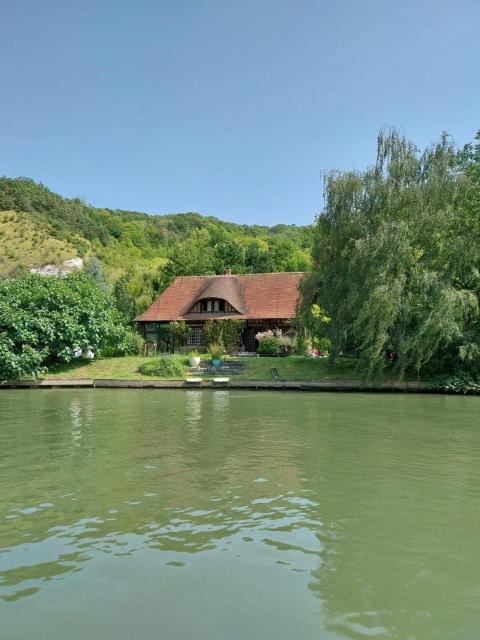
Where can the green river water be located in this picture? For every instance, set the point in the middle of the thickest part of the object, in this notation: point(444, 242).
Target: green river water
point(231, 515)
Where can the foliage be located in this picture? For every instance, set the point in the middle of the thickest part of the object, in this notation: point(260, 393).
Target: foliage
point(323, 345)
point(269, 333)
point(226, 333)
point(269, 342)
point(212, 332)
point(136, 289)
point(67, 216)
point(179, 331)
point(130, 344)
point(26, 242)
point(124, 300)
point(216, 351)
point(463, 382)
point(139, 254)
point(94, 269)
point(44, 319)
point(396, 267)
point(165, 367)
point(270, 346)
point(231, 333)
point(288, 344)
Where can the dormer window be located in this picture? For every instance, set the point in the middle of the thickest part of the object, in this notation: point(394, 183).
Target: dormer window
point(213, 305)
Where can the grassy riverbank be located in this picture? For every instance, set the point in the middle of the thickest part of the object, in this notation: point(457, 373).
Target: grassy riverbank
point(292, 368)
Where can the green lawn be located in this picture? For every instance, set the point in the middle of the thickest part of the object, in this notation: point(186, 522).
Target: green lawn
point(119, 368)
point(298, 369)
point(291, 368)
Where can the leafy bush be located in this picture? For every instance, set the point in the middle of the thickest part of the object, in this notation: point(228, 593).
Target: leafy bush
point(45, 319)
point(461, 382)
point(225, 333)
point(270, 346)
point(269, 342)
point(215, 351)
point(172, 366)
point(179, 332)
point(287, 344)
point(131, 344)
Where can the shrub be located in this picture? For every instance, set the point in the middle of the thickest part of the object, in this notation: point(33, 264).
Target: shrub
point(44, 319)
point(461, 382)
point(269, 346)
point(179, 332)
point(287, 344)
point(231, 333)
point(131, 344)
point(226, 333)
point(215, 351)
point(172, 366)
point(269, 342)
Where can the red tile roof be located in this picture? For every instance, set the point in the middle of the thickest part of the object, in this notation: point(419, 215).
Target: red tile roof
point(255, 296)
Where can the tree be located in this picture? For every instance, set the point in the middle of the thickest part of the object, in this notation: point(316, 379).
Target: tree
point(469, 163)
point(124, 301)
point(229, 254)
point(258, 258)
point(129, 241)
point(394, 267)
point(44, 319)
point(94, 269)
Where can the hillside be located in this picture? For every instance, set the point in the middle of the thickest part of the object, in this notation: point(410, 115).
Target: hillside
point(26, 242)
point(138, 254)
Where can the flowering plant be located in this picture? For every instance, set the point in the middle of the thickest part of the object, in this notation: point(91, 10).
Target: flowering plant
point(267, 335)
point(269, 342)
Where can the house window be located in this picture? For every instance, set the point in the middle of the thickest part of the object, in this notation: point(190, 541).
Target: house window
point(213, 305)
point(195, 336)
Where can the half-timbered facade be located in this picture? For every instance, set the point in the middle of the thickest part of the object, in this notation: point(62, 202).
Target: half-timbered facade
point(263, 300)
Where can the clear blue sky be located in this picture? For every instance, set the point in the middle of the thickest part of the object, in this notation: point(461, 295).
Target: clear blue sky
point(232, 108)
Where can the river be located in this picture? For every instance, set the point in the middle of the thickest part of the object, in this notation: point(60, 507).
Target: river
point(170, 514)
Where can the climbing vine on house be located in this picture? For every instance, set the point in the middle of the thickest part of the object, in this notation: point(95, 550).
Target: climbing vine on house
point(226, 333)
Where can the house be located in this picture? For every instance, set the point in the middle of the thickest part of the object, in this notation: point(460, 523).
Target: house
point(263, 300)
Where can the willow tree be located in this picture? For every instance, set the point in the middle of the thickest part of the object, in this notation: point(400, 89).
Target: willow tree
point(394, 268)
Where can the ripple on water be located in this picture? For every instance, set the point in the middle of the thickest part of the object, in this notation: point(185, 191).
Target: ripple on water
point(342, 516)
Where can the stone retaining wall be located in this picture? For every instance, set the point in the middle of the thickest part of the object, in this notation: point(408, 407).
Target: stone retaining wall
point(331, 385)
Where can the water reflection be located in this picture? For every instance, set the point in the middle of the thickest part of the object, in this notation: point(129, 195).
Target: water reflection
point(221, 402)
point(76, 419)
point(193, 406)
point(348, 514)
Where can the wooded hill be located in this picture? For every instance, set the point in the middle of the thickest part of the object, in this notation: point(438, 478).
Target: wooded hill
point(136, 253)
